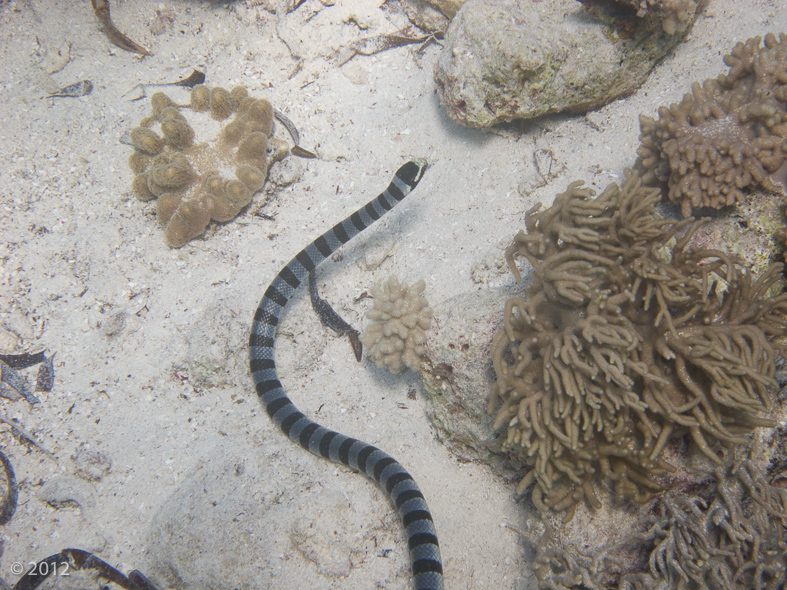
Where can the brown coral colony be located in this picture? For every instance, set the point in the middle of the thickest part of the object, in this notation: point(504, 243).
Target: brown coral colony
point(726, 138)
point(638, 363)
point(629, 339)
point(189, 179)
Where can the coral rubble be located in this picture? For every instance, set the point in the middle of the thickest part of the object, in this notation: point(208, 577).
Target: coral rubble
point(400, 317)
point(628, 338)
point(195, 183)
point(728, 136)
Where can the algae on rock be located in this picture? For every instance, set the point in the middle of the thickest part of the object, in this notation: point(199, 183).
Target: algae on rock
point(457, 374)
point(672, 16)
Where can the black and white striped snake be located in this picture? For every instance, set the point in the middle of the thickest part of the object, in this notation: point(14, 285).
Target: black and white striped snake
point(386, 471)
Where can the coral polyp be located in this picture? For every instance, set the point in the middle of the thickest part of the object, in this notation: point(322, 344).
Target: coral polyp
point(200, 98)
point(176, 130)
point(221, 103)
point(159, 102)
point(147, 141)
point(253, 147)
point(199, 181)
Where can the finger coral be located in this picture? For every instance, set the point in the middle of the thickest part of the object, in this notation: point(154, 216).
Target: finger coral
point(628, 338)
point(728, 136)
point(400, 317)
point(190, 179)
point(731, 533)
point(724, 529)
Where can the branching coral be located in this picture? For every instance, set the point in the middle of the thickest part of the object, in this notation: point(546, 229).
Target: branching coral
point(733, 535)
point(195, 183)
point(728, 136)
point(723, 530)
point(400, 317)
point(628, 338)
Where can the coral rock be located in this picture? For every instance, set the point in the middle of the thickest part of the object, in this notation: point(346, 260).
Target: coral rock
point(506, 60)
point(728, 136)
point(400, 317)
point(184, 176)
point(456, 373)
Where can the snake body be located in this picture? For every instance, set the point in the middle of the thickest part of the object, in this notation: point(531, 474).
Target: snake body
point(387, 472)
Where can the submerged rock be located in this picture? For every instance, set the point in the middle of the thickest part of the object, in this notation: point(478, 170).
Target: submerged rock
point(458, 376)
point(506, 60)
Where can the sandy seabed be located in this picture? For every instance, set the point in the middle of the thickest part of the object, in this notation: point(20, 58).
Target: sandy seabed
point(151, 365)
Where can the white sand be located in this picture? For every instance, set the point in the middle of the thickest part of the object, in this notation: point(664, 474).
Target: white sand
point(79, 252)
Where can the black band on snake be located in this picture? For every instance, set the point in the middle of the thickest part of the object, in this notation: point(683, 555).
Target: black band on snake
point(386, 471)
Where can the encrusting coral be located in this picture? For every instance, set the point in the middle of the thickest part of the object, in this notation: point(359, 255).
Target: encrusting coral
point(628, 338)
point(199, 182)
point(400, 316)
point(728, 136)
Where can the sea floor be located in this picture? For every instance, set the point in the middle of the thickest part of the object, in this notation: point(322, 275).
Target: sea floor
point(161, 452)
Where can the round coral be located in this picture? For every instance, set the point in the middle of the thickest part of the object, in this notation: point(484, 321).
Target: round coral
point(196, 182)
